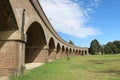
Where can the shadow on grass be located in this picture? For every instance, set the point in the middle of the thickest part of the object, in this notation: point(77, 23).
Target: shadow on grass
point(103, 61)
point(97, 61)
point(109, 72)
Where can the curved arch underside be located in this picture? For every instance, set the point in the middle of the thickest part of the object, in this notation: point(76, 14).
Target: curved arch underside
point(35, 42)
point(58, 47)
point(51, 45)
point(51, 53)
point(63, 48)
point(7, 18)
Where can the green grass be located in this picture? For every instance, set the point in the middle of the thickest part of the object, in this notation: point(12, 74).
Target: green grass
point(98, 67)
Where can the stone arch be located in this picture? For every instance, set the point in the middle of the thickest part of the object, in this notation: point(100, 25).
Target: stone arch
point(63, 48)
point(82, 52)
point(58, 51)
point(66, 49)
point(51, 45)
point(35, 42)
point(70, 51)
point(8, 21)
point(52, 51)
point(79, 52)
point(58, 47)
point(86, 52)
point(76, 52)
point(63, 51)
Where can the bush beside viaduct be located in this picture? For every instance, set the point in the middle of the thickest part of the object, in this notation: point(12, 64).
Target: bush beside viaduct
point(26, 36)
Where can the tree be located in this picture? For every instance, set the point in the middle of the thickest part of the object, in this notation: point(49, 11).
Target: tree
point(70, 42)
point(102, 49)
point(117, 43)
point(107, 49)
point(95, 47)
point(110, 48)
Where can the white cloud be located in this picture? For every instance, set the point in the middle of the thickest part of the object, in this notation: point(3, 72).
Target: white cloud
point(68, 17)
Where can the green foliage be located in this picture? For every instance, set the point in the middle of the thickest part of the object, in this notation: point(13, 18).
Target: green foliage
point(71, 42)
point(95, 47)
point(117, 43)
point(109, 48)
point(112, 47)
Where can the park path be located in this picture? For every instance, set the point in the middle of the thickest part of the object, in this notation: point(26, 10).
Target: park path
point(32, 65)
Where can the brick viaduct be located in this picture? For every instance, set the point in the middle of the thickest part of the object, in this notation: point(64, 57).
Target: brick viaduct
point(26, 36)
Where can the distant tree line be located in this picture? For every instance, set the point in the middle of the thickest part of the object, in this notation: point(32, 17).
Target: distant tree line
point(109, 48)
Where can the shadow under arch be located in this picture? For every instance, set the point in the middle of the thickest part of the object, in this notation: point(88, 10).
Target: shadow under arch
point(51, 53)
point(35, 42)
point(63, 51)
point(67, 51)
point(70, 51)
point(85, 52)
point(80, 52)
point(76, 51)
point(58, 47)
point(63, 48)
point(58, 51)
point(51, 45)
point(7, 21)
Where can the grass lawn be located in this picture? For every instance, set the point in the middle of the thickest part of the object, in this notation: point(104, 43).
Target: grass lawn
point(97, 67)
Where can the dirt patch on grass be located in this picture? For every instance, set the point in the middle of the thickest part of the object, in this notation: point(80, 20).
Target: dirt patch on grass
point(97, 61)
point(108, 72)
point(32, 65)
point(103, 61)
point(4, 78)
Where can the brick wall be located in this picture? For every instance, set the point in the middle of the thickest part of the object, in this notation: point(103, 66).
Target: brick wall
point(8, 57)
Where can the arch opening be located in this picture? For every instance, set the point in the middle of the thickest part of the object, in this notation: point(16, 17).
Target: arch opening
point(82, 52)
point(85, 52)
point(51, 45)
point(58, 51)
point(58, 47)
point(79, 52)
point(66, 49)
point(35, 42)
point(63, 48)
point(70, 51)
point(76, 52)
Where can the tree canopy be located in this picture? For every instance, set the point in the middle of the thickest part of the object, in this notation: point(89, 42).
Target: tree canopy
point(71, 42)
point(95, 47)
point(112, 47)
point(109, 48)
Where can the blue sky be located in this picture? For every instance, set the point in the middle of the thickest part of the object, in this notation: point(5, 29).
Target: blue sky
point(84, 20)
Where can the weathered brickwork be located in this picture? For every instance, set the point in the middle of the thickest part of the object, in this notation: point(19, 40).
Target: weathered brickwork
point(36, 55)
point(26, 36)
point(52, 55)
point(8, 56)
point(58, 54)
